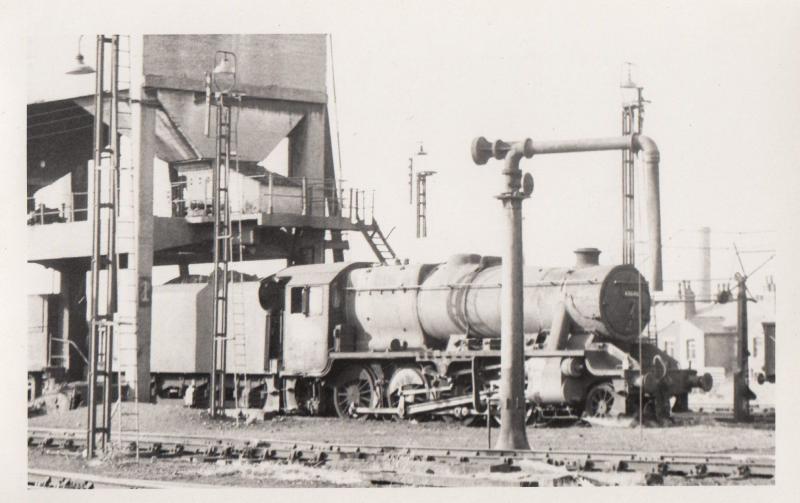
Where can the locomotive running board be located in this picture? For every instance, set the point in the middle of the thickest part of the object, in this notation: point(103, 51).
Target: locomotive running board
point(421, 408)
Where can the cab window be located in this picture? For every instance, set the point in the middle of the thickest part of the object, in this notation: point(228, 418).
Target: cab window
point(296, 300)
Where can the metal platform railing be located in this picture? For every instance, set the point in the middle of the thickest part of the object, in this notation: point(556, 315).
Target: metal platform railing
point(73, 209)
point(300, 195)
point(295, 195)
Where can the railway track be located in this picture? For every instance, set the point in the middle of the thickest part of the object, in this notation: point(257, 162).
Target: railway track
point(72, 480)
point(212, 449)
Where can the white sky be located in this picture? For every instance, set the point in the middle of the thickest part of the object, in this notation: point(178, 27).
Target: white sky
point(723, 83)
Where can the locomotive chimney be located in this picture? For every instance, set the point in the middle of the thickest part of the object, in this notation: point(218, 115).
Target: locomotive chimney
point(587, 257)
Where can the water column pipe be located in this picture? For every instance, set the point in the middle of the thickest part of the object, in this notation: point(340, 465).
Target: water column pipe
point(650, 156)
point(512, 379)
point(512, 351)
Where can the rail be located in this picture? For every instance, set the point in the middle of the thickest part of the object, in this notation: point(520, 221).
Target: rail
point(51, 479)
point(215, 448)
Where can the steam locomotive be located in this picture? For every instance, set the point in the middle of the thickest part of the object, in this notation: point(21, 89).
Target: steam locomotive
point(418, 340)
point(421, 340)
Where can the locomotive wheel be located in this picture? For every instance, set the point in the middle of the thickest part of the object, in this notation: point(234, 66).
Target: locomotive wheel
point(599, 401)
point(408, 378)
point(356, 388)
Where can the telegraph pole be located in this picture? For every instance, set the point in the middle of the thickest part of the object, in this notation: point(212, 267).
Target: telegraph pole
point(742, 394)
point(741, 389)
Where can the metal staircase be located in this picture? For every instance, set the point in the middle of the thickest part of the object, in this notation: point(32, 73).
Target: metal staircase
point(378, 242)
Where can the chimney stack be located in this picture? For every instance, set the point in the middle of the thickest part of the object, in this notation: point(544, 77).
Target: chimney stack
point(689, 310)
point(704, 264)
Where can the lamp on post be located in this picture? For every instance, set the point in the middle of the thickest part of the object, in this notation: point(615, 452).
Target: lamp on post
point(223, 77)
point(631, 92)
point(223, 81)
point(80, 67)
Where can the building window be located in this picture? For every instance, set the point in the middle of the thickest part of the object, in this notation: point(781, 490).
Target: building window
point(691, 351)
point(669, 348)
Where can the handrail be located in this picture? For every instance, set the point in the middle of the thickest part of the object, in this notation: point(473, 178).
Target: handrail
point(322, 196)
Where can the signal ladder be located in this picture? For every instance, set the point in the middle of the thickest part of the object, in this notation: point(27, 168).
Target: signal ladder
point(222, 250)
point(126, 407)
point(238, 318)
point(628, 215)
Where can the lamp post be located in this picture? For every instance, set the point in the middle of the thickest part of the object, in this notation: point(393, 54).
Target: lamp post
point(223, 80)
point(102, 325)
point(80, 67)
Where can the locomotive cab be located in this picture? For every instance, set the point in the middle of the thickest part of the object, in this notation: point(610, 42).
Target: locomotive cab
point(305, 304)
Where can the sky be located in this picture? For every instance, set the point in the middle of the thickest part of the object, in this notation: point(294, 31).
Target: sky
point(722, 84)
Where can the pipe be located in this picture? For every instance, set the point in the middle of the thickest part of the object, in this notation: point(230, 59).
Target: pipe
point(95, 267)
point(651, 157)
point(483, 150)
point(559, 329)
point(512, 349)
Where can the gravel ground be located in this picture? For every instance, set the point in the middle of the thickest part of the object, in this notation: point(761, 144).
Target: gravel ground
point(689, 434)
